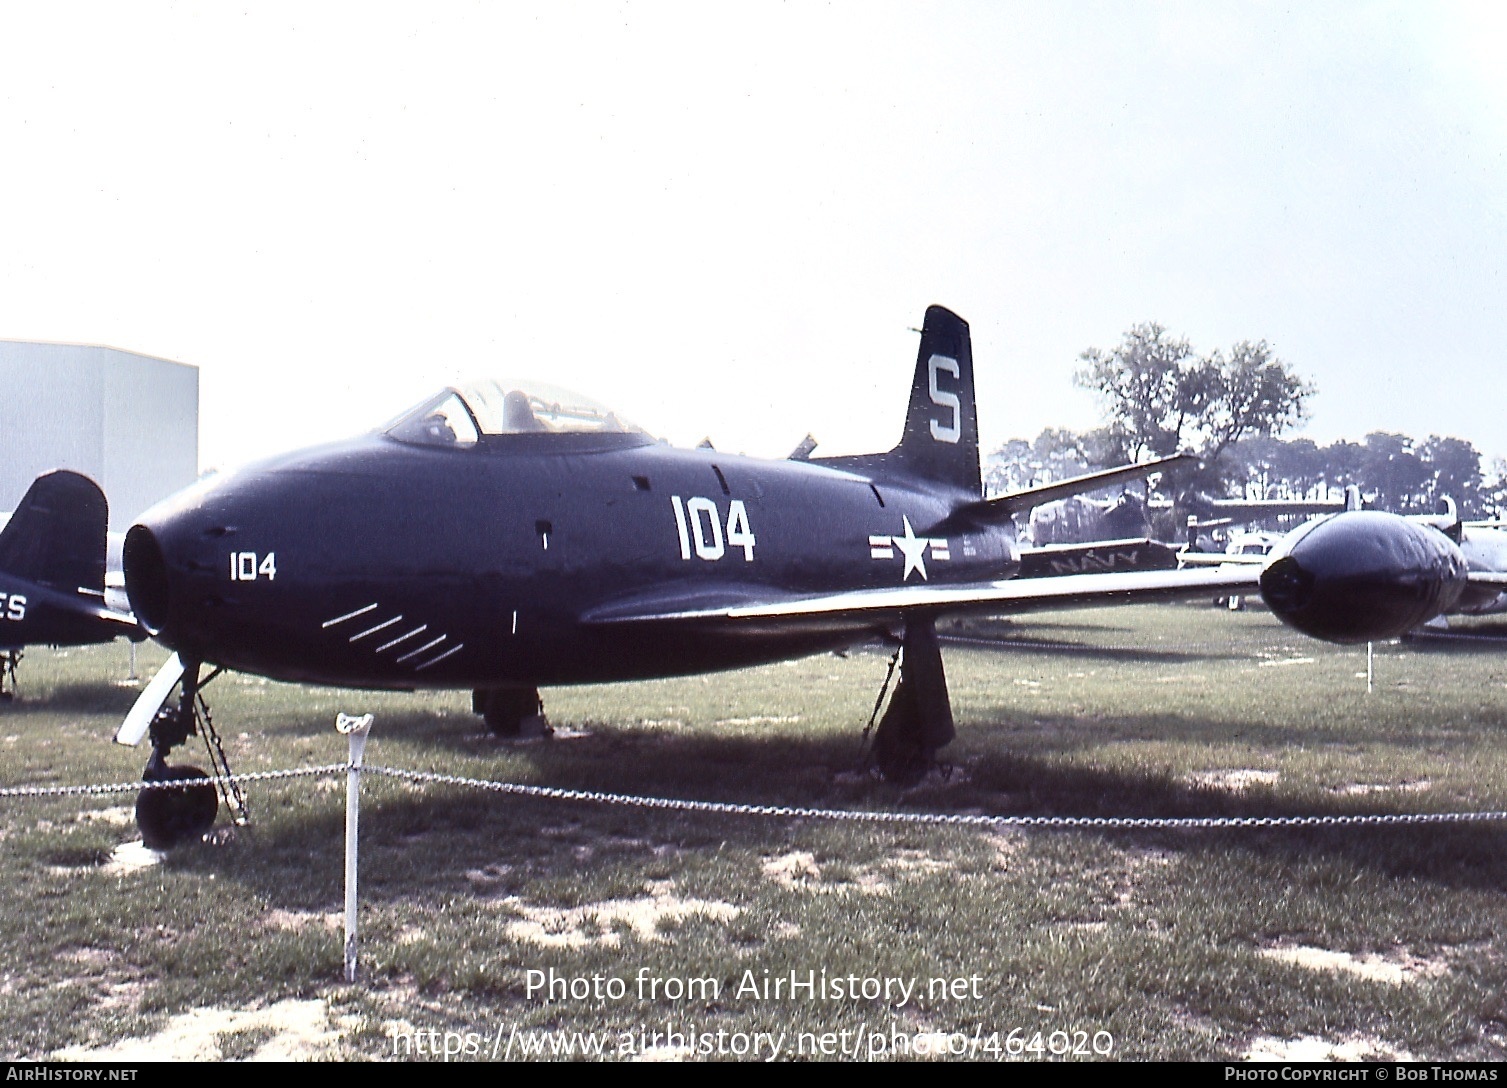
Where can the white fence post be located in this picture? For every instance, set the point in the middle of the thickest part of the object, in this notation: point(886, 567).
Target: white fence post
point(356, 731)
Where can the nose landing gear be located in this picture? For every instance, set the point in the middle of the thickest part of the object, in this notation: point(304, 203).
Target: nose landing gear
point(167, 816)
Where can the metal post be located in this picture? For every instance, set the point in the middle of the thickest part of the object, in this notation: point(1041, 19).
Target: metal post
point(1369, 647)
point(356, 731)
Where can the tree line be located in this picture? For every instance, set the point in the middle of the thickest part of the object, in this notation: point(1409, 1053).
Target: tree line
point(1159, 397)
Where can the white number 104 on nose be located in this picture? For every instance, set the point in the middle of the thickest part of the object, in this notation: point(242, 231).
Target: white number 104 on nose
point(245, 568)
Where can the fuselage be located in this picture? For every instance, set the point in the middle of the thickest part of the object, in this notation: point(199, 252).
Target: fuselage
point(388, 564)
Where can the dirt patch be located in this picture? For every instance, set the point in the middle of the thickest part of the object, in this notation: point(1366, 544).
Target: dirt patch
point(489, 880)
point(1007, 845)
point(1312, 1048)
point(124, 816)
point(602, 924)
point(917, 861)
point(90, 957)
point(1356, 789)
point(1234, 781)
point(1397, 967)
point(294, 920)
point(287, 1031)
point(794, 870)
point(799, 870)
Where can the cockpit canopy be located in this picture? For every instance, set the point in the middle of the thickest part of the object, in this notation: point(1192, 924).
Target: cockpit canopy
point(482, 410)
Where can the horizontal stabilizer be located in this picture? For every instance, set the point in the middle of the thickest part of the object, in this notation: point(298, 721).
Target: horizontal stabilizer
point(996, 511)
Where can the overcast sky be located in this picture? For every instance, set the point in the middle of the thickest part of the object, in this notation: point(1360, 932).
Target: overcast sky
point(724, 219)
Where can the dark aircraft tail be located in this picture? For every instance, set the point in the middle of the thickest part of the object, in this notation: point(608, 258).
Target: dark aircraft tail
point(940, 442)
point(56, 537)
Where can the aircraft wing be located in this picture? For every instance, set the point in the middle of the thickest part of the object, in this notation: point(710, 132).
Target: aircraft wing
point(1009, 597)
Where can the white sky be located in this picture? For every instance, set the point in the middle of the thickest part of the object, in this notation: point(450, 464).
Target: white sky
point(722, 219)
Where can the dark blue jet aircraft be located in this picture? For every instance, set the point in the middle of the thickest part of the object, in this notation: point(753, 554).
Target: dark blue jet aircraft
point(498, 540)
point(52, 571)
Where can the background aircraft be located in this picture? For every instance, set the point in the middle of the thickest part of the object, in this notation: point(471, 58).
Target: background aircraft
point(52, 571)
point(498, 541)
point(1484, 545)
point(1485, 548)
point(1363, 575)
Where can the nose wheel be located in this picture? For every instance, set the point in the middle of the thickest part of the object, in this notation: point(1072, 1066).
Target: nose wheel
point(168, 816)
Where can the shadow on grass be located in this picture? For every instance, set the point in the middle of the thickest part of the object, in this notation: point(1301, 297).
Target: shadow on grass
point(1463, 854)
point(428, 842)
point(86, 697)
point(1136, 654)
point(1478, 638)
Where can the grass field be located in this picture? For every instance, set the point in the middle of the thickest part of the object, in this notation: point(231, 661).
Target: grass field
point(1337, 942)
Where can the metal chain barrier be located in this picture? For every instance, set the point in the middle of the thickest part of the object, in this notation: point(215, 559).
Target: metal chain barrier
point(169, 784)
point(552, 793)
point(728, 808)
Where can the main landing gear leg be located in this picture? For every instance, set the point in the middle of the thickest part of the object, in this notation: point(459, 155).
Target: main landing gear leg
point(167, 817)
point(9, 659)
point(514, 713)
point(918, 722)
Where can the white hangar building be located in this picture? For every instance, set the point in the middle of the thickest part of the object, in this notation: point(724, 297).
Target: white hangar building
point(128, 421)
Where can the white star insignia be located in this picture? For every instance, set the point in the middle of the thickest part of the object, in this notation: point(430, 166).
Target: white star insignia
point(913, 547)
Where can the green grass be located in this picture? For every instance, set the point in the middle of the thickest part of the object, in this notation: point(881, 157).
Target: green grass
point(1163, 940)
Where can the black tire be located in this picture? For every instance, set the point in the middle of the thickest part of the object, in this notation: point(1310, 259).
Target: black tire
point(167, 817)
point(506, 708)
point(902, 763)
point(897, 750)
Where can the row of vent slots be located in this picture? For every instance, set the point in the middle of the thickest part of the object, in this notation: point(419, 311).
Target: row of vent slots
point(642, 484)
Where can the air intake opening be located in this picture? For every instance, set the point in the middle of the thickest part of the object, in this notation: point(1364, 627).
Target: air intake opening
point(146, 578)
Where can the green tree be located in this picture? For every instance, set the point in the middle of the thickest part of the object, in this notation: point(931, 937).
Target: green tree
point(1456, 465)
point(1394, 473)
point(1160, 396)
point(1145, 388)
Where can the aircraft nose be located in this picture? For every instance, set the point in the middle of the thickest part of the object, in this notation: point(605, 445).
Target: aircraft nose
point(1364, 575)
point(170, 560)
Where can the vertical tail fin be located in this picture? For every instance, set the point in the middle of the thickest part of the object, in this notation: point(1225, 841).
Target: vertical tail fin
point(56, 537)
point(940, 443)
